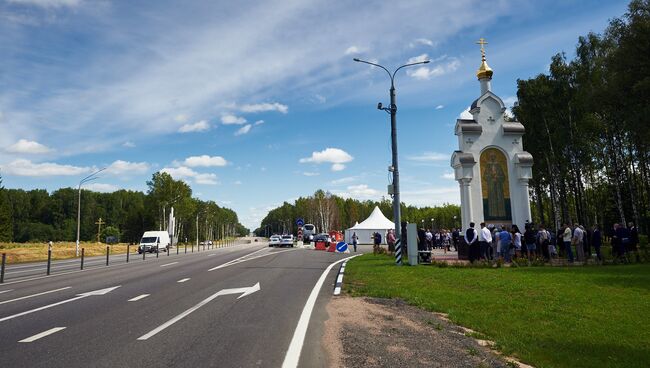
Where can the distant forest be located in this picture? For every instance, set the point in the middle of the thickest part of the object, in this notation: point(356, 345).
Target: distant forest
point(330, 212)
point(36, 215)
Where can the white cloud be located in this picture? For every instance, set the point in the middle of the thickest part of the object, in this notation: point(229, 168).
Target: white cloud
point(243, 130)
point(345, 180)
point(48, 3)
point(336, 156)
point(128, 144)
point(230, 119)
point(259, 122)
point(31, 147)
point(424, 41)
point(428, 72)
point(510, 102)
point(311, 174)
point(263, 107)
point(352, 50)
point(199, 126)
point(440, 107)
point(205, 161)
point(429, 157)
point(431, 196)
point(418, 59)
point(361, 191)
point(183, 172)
point(448, 176)
point(338, 167)
point(22, 167)
point(333, 155)
point(101, 187)
point(120, 167)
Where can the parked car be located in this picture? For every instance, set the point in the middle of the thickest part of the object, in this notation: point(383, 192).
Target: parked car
point(323, 238)
point(287, 241)
point(274, 240)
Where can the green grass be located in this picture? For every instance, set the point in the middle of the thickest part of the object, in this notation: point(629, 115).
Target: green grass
point(545, 316)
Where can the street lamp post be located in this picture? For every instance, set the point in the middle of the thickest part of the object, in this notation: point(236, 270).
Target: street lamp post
point(83, 181)
point(392, 110)
point(432, 224)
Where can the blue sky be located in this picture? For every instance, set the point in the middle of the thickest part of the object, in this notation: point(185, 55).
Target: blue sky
point(258, 102)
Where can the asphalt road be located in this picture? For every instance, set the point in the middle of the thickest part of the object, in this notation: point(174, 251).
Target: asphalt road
point(230, 307)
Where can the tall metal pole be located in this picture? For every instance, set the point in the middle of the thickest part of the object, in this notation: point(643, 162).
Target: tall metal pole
point(392, 110)
point(84, 180)
point(396, 197)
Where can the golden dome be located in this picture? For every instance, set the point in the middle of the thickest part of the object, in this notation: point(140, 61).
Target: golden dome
point(484, 71)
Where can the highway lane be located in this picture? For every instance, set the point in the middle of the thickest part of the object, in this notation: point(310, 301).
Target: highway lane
point(27, 270)
point(103, 330)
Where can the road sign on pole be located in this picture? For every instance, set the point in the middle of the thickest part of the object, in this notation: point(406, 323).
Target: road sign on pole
point(342, 247)
point(300, 222)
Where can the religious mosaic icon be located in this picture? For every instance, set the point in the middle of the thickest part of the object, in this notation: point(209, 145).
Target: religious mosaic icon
point(495, 187)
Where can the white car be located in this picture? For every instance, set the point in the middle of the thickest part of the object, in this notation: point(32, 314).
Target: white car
point(274, 240)
point(287, 241)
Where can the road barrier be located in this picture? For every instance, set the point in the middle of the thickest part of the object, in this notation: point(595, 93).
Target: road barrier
point(2, 268)
point(83, 250)
point(127, 252)
point(108, 251)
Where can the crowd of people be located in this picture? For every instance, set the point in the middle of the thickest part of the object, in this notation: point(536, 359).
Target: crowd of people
point(491, 242)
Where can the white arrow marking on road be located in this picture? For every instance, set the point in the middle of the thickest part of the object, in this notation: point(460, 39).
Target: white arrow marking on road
point(42, 334)
point(33, 295)
point(79, 296)
point(243, 291)
point(138, 298)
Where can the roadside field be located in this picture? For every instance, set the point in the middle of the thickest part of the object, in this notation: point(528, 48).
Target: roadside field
point(596, 316)
point(33, 252)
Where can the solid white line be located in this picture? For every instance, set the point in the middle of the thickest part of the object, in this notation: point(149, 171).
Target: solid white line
point(42, 334)
point(183, 280)
point(6, 291)
point(292, 357)
point(33, 295)
point(168, 264)
point(138, 298)
point(213, 254)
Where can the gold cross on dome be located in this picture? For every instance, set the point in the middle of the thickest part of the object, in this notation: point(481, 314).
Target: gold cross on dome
point(482, 42)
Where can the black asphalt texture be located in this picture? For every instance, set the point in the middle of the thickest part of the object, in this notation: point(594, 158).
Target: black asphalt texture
point(103, 330)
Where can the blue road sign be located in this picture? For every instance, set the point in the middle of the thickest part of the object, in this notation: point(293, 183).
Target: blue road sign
point(341, 247)
point(300, 222)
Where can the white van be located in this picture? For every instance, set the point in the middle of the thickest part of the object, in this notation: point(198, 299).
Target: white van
point(154, 240)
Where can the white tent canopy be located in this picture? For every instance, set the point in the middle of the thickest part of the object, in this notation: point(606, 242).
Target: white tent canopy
point(376, 222)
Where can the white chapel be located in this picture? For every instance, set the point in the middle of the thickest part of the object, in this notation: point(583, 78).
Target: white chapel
point(490, 164)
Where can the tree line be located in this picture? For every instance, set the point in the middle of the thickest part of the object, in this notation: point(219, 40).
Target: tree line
point(330, 212)
point(587, 127)
point(37, 215)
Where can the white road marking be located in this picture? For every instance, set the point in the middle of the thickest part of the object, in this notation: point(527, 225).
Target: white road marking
point(337, 290)
point(79, 296)
point(6, 291)
point(243, 291)
point(183, 280)
point(244, 259)
point(42, 334)
point(168, 264)
point(213, 254)
point(33, 295)
point(292, 357)
point(138, 298)
point(340, 278)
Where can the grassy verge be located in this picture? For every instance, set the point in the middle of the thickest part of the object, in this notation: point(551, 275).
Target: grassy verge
point(33, 252)
point(545, 316)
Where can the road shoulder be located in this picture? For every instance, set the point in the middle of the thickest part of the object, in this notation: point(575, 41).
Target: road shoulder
point(373, 332)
